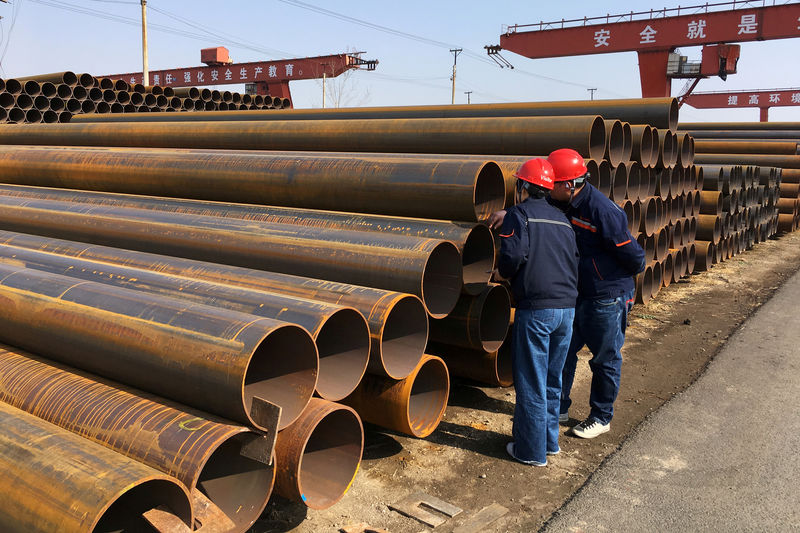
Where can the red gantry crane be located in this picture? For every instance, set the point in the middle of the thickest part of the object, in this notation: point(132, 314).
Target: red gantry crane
point(262, 77)
point(762, 99)
point(656, 34)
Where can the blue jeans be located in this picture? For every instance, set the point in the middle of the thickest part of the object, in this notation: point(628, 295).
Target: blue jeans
point(600, 325)
point(540, 342)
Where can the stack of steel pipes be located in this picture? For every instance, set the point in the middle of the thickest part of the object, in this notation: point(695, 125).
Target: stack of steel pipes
point(60, 96)
point(757, 145)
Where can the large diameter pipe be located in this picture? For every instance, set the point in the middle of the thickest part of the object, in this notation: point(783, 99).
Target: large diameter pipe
point(667, 148)
point(747, 147)
point(474, 241)
point(341, 333)
point(392, 186)
point(660, 112)
point(54, 480)
point(508, 135)
point(491, 368)
point(398, 322)
point(429, 268)
point(644, 285)
point(686, 150)
point(224, 362)
point(228, 464)
point(709, 228)
point(711, 203)
point(615, 142)
point(642, 145)
point(318, 455)
point(66, 77)
point(479, 322)
point(761, 160)
point(414, 405)
point(757, 126)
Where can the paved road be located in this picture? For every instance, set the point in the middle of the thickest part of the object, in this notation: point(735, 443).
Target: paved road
point(722, 456)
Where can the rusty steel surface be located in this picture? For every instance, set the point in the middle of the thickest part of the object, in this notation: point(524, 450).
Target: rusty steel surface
point(615, 142)
point(747, 147)
point(667, 148)
point(398, 322)
point(642, 144)
point(505, 135)
point(390, 185)
point(200, 451)
point(414, 405)
point(341, 333)
point(661, 112)
point(428, 268)
point(761, 160)
point(492, 368)
point(477, 321)
point(221, 361)
point(474, 241)
point(54, 480)
point(711, 202)
point(317, 457)
point(619, 184)
point(644, 284)
point(686, 150)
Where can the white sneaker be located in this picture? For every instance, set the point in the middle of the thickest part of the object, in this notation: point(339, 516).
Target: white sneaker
point(590, 428)
point(510, 450)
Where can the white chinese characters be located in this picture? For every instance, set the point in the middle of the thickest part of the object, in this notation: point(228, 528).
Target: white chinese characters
point(696, 29)
point(753, 99)
point(648, 35)
point(733, 100)
point(748, 24)
point(775, 98)
point(796, 98)
point(601, 38)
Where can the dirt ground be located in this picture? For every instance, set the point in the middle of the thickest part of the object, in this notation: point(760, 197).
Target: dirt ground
point(669, 343)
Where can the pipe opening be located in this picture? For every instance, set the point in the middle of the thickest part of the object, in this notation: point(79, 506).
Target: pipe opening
point(619, 188)
point(428, 398)
point(627, 141)
point(442, 279)
point(477, 259)
point(283, 371)
point(403, 338)
point(616, 143)
point(673, 114)
point(495, 314)
point(85, 80)
point(490, 191)
point(343, 342)
point(330, 459)
point(597, 139)
point(238, 485)
point(125, 513)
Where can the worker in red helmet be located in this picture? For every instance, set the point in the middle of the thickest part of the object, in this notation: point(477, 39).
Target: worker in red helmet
point(609, 258)
point(539, 256)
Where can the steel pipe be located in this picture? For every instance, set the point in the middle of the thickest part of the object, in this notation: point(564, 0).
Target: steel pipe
point(686, 150)
point(162, 345)
point(414, 405)
point(54, 480)
point(33, 116)
point(649, 218)
point(660, 112)
point(477, 321)
point(747, 147)
point(711, 203)
point(490, 368)
point(644, 285)
point(13, 86)
point(513, 135)
point(318, 455)
point(761, 160)
point(619, 184)
point(341, 333)
point(7, 100)
point(667, 148)
point(67, 77)
point(705, 255)
point(667, 270)
point(630, 214)
point(661, 238)
point(429, 268)
point(398, 322)
point(615, 142)
point(394, 186)
point(709, 228)
point(474, 241)
point(790, 190)
point(789, 175)
point(642, 144)
point(32, 88)
point(658, 276)
point(228, 464)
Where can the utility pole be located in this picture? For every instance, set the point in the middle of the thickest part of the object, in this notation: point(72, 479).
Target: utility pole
point(591, 92)
point(145, 70)
point(455, 51)
point(468, 93)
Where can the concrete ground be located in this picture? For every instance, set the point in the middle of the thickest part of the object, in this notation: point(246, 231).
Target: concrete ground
point(724, 455)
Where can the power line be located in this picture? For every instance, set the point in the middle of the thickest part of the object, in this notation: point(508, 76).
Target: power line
point(14, 15)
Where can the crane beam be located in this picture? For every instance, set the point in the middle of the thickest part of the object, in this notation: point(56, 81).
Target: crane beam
point(763, 99)
point(658, 32)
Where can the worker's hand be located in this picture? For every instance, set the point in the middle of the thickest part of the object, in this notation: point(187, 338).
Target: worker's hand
point(496, 219)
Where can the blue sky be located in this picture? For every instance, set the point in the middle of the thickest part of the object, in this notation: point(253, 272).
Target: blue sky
point(39, 37)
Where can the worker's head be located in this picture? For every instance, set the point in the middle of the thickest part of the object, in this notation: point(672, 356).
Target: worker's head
point(570, 173)
point(534, 177)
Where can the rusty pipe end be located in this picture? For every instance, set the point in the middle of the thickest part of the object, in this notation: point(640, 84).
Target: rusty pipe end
point(644, 285)
point(442, 279)
point(126, 509)
point(234, 482)
point(597, 139)
point(477, 259)
point(399, 330)
point(318, 456)
point(427, 399)
point(494, 317)
point(489, 193)
point(343, 342)
point(619, 184)
point(615, 142)
point(281, 380)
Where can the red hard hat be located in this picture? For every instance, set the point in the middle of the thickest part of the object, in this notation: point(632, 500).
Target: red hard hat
point(567, 164)
point(537, 171)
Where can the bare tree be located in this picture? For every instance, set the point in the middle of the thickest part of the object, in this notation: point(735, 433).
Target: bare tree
point(342, 90)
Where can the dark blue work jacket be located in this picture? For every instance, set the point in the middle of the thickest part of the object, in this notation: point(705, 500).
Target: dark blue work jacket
point(610, 256)
point(539, 255)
